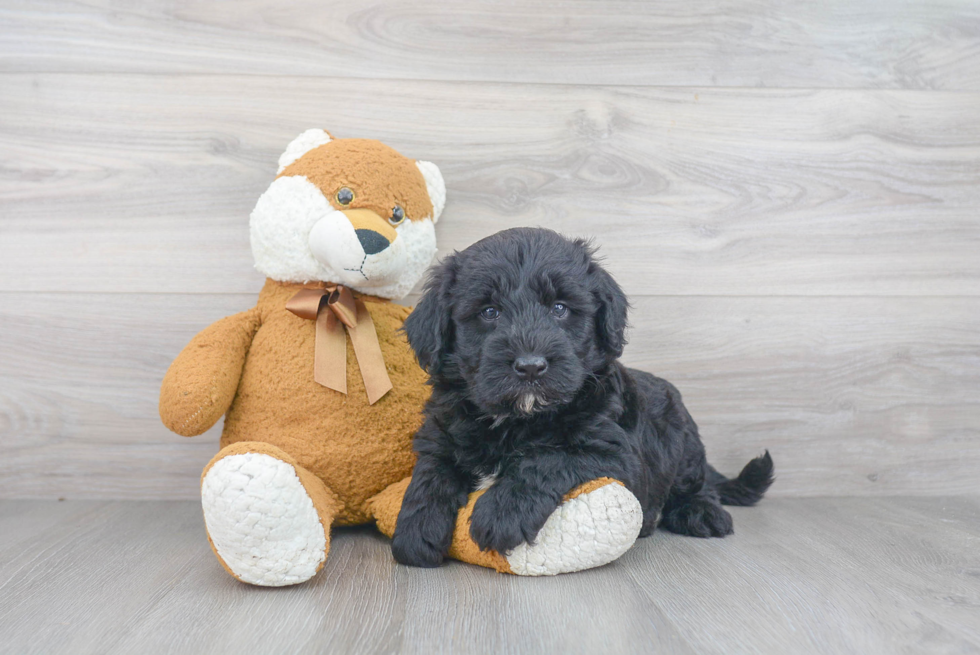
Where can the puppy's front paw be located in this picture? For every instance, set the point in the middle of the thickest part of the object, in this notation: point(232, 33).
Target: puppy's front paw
point(491, 531)
point(502, 526)
point(412, 550)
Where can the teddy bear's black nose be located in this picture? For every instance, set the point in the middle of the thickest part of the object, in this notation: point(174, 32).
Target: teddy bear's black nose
point(371, 241)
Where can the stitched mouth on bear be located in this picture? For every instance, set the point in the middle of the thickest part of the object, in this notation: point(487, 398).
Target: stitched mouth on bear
point(360, 269)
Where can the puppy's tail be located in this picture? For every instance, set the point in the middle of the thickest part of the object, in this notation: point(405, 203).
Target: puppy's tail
point(749, 486)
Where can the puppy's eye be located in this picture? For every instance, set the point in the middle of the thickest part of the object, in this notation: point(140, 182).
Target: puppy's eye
point(397, 215)
point(559, 310)
point(490, 313)
point(345, 196)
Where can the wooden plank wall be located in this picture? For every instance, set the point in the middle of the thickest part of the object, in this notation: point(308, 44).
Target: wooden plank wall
point(790, 193)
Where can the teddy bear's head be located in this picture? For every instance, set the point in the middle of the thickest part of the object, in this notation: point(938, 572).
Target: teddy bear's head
point(348, 211)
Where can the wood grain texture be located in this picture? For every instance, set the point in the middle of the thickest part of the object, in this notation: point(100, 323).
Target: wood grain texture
point(838, 43)
point(144, 183)
point(802, 259)
point(851, 395)
point(79, 382)
point(819, 575)
point(858, 576)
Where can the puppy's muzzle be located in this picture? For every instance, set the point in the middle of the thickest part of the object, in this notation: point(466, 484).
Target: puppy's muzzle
point(530, 368)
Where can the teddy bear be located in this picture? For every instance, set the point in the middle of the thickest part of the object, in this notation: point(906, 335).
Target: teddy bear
point(320, 391)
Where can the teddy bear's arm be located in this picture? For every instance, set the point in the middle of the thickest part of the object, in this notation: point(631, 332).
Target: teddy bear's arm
point(201, 383)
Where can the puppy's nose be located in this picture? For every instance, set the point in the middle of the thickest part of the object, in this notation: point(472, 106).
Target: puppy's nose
point(530, 368)
point(371, 241)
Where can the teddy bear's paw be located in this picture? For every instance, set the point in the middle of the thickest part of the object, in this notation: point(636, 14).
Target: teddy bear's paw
point(261, 520)
point(596, 524)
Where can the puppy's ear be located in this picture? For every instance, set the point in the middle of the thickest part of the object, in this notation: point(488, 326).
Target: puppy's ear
point(429, 327)
point(612, 308)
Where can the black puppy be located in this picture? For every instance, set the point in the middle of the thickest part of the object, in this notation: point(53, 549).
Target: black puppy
point(520, 334)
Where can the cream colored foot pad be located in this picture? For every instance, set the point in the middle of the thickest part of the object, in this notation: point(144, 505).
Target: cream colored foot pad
point(261, 520)
point(589, 530)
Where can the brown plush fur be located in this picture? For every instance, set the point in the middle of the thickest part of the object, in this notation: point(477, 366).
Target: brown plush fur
point(356, 449)
point(201, 383)
point(387, 504)
point(381, 176)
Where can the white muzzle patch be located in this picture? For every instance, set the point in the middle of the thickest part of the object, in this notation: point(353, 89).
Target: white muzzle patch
point(334, 243)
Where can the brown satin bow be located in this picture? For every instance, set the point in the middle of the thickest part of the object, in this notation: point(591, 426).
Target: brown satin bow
point(333, 309)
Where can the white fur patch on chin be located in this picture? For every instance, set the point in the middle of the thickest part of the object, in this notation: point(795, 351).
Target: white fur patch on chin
point(589, 530)
point(301, 145)
point(525, 404)
point(261, 520)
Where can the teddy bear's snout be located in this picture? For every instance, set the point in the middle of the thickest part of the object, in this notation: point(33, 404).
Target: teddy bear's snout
point(371, 241)
point(359, 247)
point(374, 233)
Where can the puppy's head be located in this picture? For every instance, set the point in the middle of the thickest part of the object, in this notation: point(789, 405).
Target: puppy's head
point(520, 320)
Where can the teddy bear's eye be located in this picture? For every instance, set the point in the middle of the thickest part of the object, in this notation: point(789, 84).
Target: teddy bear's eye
point(397, 215)
point(345, 196)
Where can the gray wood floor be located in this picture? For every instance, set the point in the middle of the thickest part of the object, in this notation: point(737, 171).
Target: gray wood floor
point(814, 575)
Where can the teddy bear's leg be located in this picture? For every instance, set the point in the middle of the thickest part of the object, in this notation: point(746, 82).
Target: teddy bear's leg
point(595, 524)
point(268, 519)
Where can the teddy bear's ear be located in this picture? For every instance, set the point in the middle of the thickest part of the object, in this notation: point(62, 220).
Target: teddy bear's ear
point(303, 144)
point(435, 185)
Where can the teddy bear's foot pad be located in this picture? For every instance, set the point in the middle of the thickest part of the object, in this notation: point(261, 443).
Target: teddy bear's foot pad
point(590, 529)
point(261, 520)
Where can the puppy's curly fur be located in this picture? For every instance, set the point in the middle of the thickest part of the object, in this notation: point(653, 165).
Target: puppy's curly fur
point(534, 432)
